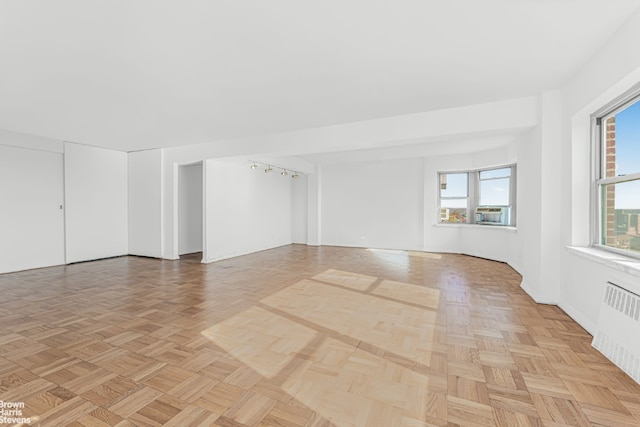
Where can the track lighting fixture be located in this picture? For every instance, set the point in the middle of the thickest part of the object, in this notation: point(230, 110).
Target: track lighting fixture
point(269, 168)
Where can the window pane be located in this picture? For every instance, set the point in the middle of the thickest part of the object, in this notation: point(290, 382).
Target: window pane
point(453, 210)
point(620, 215)
point(621, 137)
point(495, 192)
point(455, 215)
point(495, 173)
point(454, 184)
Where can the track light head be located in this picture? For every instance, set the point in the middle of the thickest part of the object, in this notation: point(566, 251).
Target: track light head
point(269, 168)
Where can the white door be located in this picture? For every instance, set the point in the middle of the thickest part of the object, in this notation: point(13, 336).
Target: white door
point(31, 209)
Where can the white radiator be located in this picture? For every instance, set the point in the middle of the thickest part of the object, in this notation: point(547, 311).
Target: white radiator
point(618, 333)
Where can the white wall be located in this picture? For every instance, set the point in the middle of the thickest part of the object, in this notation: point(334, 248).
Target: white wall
point(245, 210)
point(31, 218)
point(373, 205)
point(190, 208)
point(299, 209)
point(611, 72)
point(529, 211)
point(96, 202)
point(145, 203)
point(314, 204)
point(539, 199)
point(550, 283)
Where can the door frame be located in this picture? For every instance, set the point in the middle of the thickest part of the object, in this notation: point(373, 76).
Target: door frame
point(176, 208)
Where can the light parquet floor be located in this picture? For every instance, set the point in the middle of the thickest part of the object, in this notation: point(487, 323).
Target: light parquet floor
point(299, 336)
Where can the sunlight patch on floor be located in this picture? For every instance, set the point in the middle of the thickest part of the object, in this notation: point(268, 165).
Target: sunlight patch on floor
point(392, 326)
point(427, 297)
point(346, 351)
point(351, 387)
point(260, 339)
point(347, 279)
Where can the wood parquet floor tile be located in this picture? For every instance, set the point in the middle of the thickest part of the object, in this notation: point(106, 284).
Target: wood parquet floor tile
point(299, 337)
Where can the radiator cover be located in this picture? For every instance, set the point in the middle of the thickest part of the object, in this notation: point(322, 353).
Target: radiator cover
point(618, 332)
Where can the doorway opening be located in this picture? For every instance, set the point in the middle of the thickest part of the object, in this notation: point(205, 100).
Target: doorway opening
point(190, 202)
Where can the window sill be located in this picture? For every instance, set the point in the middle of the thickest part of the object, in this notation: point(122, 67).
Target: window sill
point(483, 226)
point(618, 262)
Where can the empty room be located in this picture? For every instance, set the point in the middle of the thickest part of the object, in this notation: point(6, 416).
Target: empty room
point(313, 214)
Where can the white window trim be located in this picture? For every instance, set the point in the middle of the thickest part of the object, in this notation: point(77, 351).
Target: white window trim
point(611, 259)
point(473, 195)
point(597, 153)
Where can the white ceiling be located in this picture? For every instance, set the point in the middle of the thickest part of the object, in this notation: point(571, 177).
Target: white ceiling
point(137, 74)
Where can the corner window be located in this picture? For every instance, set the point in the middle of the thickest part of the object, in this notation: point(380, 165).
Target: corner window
point(483, 196)
point(618, 178)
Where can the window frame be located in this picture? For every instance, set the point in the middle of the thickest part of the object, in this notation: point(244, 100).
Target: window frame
point(467, 198)
point(473, 194)
point(598, 168)
point(481, 180)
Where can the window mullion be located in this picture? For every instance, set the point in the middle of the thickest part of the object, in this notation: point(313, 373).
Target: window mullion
point(597, 174)
point(512, 196)
point(473, 195)
point(494, 177)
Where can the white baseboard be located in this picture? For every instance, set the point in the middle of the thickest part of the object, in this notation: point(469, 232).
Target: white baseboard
point(580, 319)
point(536, 296)
point(516, 267)
point(244, 252)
